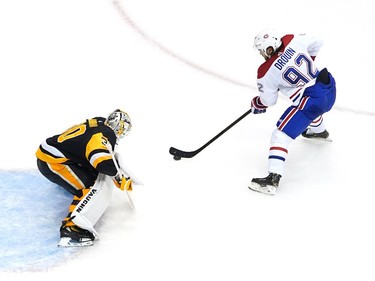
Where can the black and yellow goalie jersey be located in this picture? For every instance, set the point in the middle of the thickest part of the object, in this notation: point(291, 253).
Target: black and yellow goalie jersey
point(83, 144)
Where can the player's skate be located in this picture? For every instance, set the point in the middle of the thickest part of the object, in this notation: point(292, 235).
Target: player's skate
point(74, 236)
point(309, 134)
point(267, 185)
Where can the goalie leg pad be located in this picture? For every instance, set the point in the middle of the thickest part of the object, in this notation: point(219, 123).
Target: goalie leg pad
point(93, 205)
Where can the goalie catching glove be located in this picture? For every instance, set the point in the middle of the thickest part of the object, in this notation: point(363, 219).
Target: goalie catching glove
point(122, 182)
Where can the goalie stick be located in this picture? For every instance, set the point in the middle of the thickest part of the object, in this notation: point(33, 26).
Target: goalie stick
point(177, 153)
point(119, 171)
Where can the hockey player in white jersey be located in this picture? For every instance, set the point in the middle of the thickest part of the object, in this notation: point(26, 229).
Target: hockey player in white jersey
point(289, 69)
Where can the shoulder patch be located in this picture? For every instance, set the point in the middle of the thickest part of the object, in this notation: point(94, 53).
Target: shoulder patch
point(92, 123)
point(286, 40)
point(262, 70)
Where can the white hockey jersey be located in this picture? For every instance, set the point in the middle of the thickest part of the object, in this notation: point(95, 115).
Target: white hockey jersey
point(289, 70)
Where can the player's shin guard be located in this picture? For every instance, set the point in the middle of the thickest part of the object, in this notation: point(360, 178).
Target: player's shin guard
point(278, 152)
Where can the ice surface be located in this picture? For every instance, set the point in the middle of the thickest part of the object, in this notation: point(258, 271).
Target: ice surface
point(184, 70)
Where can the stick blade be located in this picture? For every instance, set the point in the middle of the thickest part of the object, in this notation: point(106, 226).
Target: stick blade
point(180, 153)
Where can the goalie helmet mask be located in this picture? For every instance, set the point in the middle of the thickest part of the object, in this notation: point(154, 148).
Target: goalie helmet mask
point(265, 39)
point(119, 121)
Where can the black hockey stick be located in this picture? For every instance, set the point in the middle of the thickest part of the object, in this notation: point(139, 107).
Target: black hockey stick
point(189, 154)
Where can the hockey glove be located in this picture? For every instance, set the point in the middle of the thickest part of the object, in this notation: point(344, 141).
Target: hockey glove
point(123, 183)
point(257, 106)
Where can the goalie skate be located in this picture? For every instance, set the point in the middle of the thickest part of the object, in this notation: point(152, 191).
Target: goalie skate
point(74, 236)
point(69, 242)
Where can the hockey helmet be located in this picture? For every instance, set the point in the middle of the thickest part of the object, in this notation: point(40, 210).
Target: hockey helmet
point(119, 121)
point(265, 39)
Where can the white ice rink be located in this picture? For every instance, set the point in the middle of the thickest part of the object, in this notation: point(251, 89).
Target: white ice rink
point(184, 70)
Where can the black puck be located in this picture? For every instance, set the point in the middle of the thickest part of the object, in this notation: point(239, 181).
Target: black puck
point(177, 157)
